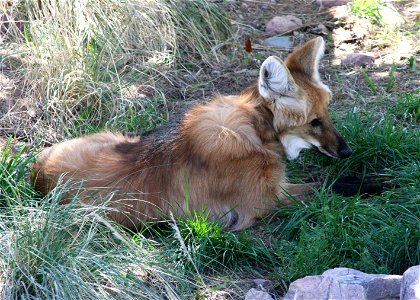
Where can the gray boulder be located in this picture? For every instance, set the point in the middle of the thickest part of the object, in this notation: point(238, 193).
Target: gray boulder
point(344, 283)
point(410, 286)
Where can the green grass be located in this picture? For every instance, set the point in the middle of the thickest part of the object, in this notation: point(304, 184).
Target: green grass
point(377, 234)
point(368, 9)
point(201, 245)
point(108, 73)
point(52, 251)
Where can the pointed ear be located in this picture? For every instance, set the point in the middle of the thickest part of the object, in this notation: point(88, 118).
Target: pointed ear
point(275, 79)
point(305, 59)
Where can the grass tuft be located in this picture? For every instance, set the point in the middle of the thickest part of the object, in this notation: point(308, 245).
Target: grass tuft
point(201, 245)
point(90, 65)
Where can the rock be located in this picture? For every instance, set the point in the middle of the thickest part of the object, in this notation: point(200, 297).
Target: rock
point(319, 29)
point(254, 294)
point(279, 41)
point(264, 6)
point(264, 283)
point(256, 24)
point(331, 3)
point(320, 288)
point(344, 283)
point(377, 286)
point(189, 78)
point(357, 59)
point(282, 24)
point(410, 287)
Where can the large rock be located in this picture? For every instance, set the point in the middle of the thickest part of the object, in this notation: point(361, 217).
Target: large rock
point(410, 287)
point(282, 24)
point(344, 283)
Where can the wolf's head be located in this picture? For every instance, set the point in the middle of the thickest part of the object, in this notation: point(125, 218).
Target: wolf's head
point(299, 101)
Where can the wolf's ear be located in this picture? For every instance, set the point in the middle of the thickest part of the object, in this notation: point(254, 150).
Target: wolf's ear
point(275, 79)
point(305, 59)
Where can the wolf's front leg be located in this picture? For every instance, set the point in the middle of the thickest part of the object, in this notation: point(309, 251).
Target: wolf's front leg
point(301, 192)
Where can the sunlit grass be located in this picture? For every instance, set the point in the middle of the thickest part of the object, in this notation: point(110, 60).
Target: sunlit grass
point(89, 65)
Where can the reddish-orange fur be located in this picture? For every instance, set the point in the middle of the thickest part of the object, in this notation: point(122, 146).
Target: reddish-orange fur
point(225, 157)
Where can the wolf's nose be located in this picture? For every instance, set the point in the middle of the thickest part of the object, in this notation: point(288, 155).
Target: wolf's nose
point(345, 152)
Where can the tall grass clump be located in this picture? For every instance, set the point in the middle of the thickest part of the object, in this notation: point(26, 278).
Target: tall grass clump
point(92, 61)
point(200, 245)
point(53, 251)
point(14, 170)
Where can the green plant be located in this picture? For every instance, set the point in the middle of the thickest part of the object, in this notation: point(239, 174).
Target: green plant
point(412, 63)
point(368, 9)
point(54, 251)
point(201, 245)
point(408, 107)
point(391, 78)
point(14, 170)
point(359, 231)
point(369, 81)
point(350, 232)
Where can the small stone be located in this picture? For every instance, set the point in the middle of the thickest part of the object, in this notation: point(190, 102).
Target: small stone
point(279, 41)
point(282, 24)
point(189, 78)
point(264, 6)
point(410, 286)
point(215, 72)
point(254, 294)
point(256, 24)
point(357, 59)
point(331, 3)
point(319, 29)
point(265, 283)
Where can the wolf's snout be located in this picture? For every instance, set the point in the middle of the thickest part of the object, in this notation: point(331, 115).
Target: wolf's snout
point(345, 152)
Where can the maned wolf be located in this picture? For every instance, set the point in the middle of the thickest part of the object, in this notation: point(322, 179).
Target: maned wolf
point(226, 157)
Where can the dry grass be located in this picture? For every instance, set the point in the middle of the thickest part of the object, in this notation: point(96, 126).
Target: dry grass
point(88, 63)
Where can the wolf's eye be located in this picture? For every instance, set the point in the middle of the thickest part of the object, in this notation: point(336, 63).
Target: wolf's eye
point(316, 123)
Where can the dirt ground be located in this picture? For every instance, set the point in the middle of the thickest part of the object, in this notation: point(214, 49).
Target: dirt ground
point(343, 35)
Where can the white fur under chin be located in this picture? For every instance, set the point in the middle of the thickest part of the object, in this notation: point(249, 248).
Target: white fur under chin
point(293, 144)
